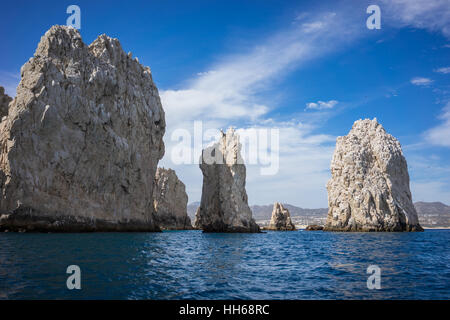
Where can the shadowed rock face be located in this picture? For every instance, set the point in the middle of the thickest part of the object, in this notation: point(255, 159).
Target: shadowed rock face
point(170, 201)
point(281, 219)
point(369, 187)
point(224, 205)
point(4, 102)
point(82, 140)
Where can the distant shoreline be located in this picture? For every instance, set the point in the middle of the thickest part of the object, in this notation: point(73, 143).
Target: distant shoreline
point(431, 228)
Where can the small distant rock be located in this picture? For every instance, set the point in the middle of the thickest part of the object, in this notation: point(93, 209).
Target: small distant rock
point(281, 219)
point(170, 201)
point(314, 227)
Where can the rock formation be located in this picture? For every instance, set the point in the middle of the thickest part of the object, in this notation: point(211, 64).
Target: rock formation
point(223, 206)
point(314, 227)
point(82, 140)
point(4, 102)
point(281, 219)
point(170, 201)
point(369, 187)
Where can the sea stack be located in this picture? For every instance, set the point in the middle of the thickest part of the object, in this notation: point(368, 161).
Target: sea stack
point(170, 201)
point(369, 187)
point(224, 204)
point(4, 103)
point(82, 140)
point(281, 219)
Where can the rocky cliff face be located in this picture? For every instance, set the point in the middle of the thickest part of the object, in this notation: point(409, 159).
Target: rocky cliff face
point(281, 219)
point(224, 205)
point(170, 201)
point(4, 102)
point(369, 187)
point(82, 140)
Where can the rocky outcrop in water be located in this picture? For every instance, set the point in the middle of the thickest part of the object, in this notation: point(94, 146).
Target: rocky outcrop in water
point(170, 201)
point(281, 219)
point(224, 205)
point(314, 227)
point(4, 102)
point(81, 143)
point(369, 187)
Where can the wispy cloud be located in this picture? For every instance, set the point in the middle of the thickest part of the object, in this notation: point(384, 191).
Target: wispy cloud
point(440, 135)
point(237, 91)
point(444, 70)
point(233, 88)
point(321, 105)
point(420, 81)
point(432, 15)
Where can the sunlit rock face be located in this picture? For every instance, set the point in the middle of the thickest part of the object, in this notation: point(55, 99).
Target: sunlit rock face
point(369, 187)
point(281, 219)
point(170, 200)
point(224, 203)
point(82, 140)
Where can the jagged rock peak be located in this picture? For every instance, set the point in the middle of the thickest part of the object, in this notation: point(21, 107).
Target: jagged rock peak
point(281, 219)
point(224, 203)
point(369, 187)
point(82, 140)
point(170, 201)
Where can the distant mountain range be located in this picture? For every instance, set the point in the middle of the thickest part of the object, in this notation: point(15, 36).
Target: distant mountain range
point(431, 214)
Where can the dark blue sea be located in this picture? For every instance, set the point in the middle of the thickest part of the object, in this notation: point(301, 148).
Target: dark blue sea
point(196, 265)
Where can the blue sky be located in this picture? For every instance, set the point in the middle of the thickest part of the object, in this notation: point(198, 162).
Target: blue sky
point(262, 63)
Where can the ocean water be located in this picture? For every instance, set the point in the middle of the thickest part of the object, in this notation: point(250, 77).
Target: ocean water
point(196, 265)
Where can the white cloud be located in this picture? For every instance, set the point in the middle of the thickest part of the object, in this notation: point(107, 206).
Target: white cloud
point(440, 135)
point(420, 81)
point(305, 158)
point(444, 70)
point(432, 15)
point(304, 161)
point(320, 105)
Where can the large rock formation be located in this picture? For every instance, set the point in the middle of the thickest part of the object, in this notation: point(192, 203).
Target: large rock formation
point(170, 201)
point(82, 140)
point(4, 102)
point(281, 219)
point(369, 187)
point(224, 206)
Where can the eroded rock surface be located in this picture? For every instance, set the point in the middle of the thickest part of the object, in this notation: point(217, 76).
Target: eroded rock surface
point(4, 102)
point(170, 200)
point(224, 203)
point(281, 219)
point(369, 187)
point(81, 143)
